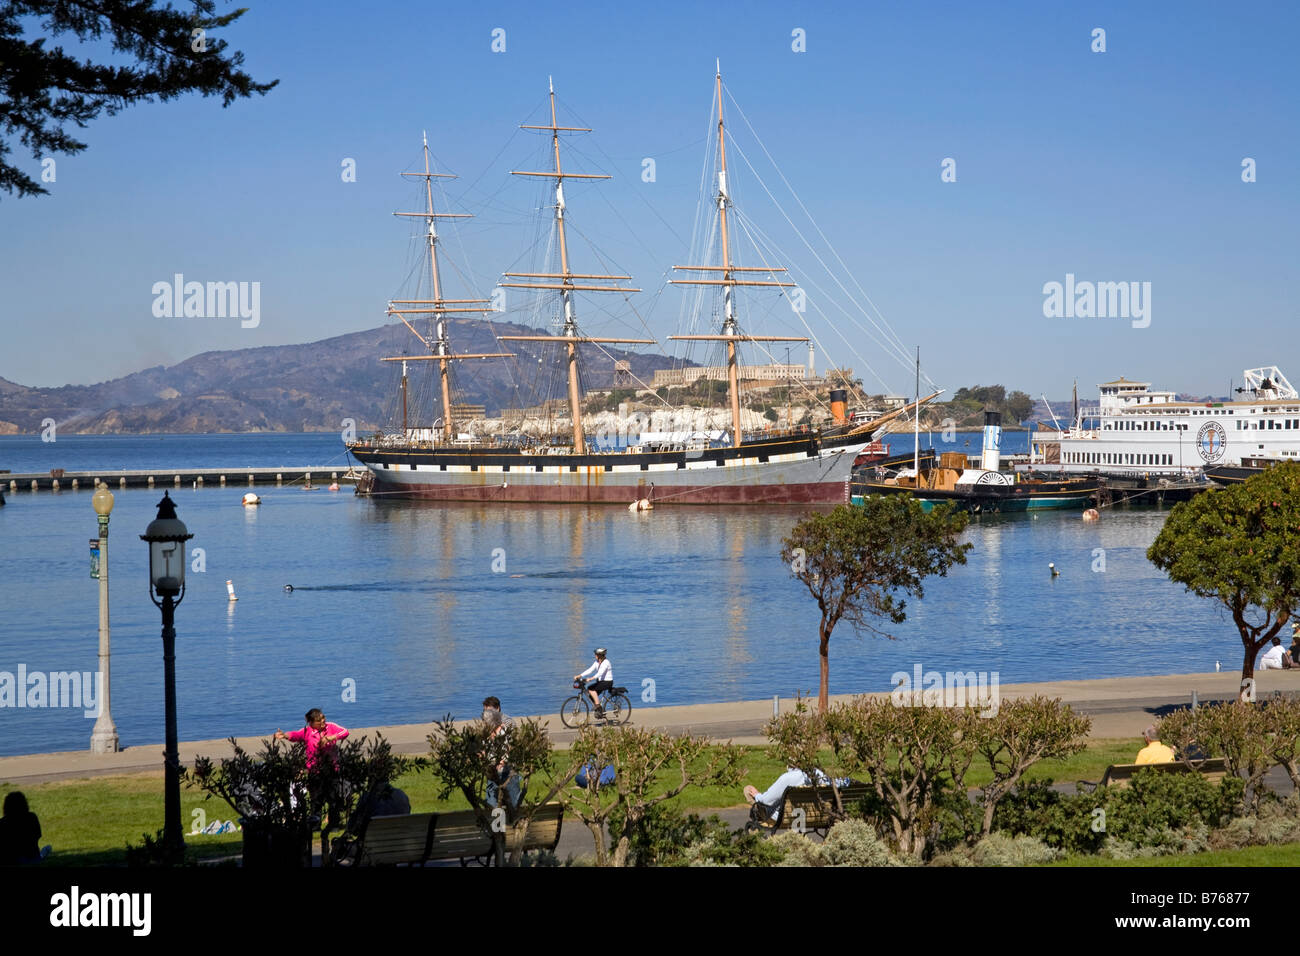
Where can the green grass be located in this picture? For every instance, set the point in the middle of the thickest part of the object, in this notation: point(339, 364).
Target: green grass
point(1287, 854)
point(90, 821)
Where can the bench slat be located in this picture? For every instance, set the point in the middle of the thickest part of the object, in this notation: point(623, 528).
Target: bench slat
point(419, 838)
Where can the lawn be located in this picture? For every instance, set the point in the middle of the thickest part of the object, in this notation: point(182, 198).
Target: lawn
point(1288, 854)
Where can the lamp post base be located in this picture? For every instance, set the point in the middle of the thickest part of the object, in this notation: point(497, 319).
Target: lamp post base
point(105, 741)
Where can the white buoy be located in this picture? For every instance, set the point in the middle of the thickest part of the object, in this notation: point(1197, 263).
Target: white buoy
point(230, 589)
point(252, 499)
point(334, 486)
point(1052, 567)
point(1091, 515)
point(643, 504)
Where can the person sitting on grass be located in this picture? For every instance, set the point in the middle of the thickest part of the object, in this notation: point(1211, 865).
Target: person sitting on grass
point(1154, 751)
point(769, 801)
point(20, 833)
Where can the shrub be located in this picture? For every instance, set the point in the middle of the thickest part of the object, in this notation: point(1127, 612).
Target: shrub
point(1155, 812)
point(1063, 821)
point(1021, 733)
point(1158, 841)
point(153, 852)
point(916, 759)
point(1276, 822)
point(724, 847)
point(659, 837)
point(1000, 849)
point(1239, 732)
point(848, 843)
point(1157, 802)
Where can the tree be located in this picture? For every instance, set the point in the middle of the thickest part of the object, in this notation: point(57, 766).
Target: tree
point(858, 561)
point(43, 88)
point(916, 759)
point(638, 758)
point(1239, 546)
point(797, 739)
point(1023, 732)
point(1018, 406)
point(466, 756)
point(1237, 731)
point(280, 798)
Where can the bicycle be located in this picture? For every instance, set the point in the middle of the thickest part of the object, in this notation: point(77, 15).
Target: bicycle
point(576, 711)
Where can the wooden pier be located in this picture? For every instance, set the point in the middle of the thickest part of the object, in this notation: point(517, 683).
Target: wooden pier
point(60, 480)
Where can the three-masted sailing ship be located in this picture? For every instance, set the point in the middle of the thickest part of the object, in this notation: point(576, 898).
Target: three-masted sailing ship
point(793, 465)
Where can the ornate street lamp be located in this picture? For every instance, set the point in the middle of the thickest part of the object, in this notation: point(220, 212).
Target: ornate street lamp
point(103, 738)
point(167, 535)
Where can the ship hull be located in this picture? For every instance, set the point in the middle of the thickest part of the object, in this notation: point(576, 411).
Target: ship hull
point(992, 499)
point(777, 473)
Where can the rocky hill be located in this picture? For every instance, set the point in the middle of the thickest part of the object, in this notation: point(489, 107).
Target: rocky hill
point(311, 387)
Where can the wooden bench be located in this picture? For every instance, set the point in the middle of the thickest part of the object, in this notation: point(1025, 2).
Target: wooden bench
point(418, 838)
point(1119, 774)
point(799, 807)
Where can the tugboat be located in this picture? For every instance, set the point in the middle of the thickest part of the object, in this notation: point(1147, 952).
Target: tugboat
point(979, 490)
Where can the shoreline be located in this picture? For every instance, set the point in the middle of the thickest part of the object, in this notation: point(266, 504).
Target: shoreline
point(1118, 706)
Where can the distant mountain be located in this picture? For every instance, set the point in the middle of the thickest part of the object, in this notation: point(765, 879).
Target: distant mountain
point(311, 387)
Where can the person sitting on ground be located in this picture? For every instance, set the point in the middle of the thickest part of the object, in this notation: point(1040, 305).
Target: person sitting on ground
point(499, 725)
point(20, 833)
point(318, 735)
point(1293, 652)
point(770, 800)
point(1154, 751)
point(1273, 657)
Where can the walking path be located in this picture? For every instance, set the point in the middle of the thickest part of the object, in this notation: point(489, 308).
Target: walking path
point(1118, 706)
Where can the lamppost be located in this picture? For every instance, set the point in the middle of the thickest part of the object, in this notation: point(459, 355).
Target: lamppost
point(1181, 429)
point(103, 738)
point(167, 535)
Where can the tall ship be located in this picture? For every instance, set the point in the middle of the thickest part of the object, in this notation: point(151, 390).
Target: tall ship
point(1140, 431)
point(804, 465)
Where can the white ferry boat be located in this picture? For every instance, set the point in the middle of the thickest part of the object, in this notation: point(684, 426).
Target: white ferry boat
point(1139, 431)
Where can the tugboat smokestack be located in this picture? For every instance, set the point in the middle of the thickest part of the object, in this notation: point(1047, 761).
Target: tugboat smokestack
point(992, 457)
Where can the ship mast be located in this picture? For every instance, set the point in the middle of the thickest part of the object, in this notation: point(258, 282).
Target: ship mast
point(563, 281)
point(729, 280)
point(440, 347)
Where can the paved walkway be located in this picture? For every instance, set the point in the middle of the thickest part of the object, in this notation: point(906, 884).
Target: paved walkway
point(1119, 707)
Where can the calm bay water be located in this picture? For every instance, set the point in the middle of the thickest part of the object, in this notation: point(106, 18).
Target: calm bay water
point(401, 598)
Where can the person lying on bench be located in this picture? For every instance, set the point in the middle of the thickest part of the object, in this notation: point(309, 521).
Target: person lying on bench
point(771, 798)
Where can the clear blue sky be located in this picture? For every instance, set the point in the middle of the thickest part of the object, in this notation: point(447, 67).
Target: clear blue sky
point(1115, 166)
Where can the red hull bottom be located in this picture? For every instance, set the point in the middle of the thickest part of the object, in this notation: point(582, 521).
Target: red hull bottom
point(826, 493)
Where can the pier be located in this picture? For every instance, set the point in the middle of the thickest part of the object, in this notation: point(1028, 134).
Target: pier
point(59, 480)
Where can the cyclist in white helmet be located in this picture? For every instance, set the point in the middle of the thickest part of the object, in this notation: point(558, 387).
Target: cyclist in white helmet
point(603, 672)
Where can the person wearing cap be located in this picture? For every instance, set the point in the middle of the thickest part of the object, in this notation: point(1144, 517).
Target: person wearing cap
point(1154, 751)
point(603, 673)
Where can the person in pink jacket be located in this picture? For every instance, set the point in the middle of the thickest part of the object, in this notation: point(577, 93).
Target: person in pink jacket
point(317, 735)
